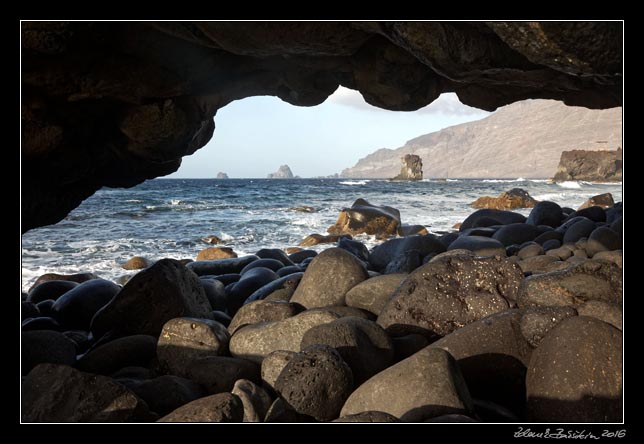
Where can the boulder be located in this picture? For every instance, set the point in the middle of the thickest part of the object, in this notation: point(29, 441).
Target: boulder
point(358, 249)
point(536, 322)
point(183, 340)
point(590, 280)
point(538, 263)
point(213, 253)
point(254, 342)
point(263, 311)
point(604, 311)
point(222, 407)
point(254, 398)
point(281, 411)
point(492, 217)
point(316, 382)
point(50, 290)
point(576, 374)
point(546, 213)
point(547, 236)
point(453, 418)
point(275, 253)
point(493, 357)
point(218, 374)
point(603, 239)
point(365, 218)
point(386, 252)
point(373, 293)
point(328, 278)
point(137, 263)
point(59, 393)
point(164, 291)
point(610, 256)
point(251, 281)
point(411, 169)
point(425, 385)
point(511, 234)
point(480, 245)
point(405, 262)
point(280, 289)
point(596, 214)
point(317, 239)
point(129, 351)
point(41, 323)
point(370, 416)
point(76, 308)
point(79, 278)
point(272, 366)
point(531, 250)
point(221, 266)
point(410, 230)
point(363, 345)
point(298, 256)
point(212, 240)
point(291, 269)
point(551, 245)
point(28, 310)
point(45, 346)
point(168, 392)
point(449, 293)
point(405, 346)
point(508, 200)
point(580, 229)
point(271, 264)
point(215, 293)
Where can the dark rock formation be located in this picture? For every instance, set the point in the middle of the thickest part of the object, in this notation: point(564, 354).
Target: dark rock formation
point(604, 200)
point(221, 175)
point(116, 103)
point(283, 172)
point(364, 217)
point(509, 200)
point(412, 168)
point(594, 166)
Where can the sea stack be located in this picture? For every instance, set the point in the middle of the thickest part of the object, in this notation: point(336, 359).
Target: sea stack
point(593, 166)
point(221, 175)
point(284, 172)
point(412, 168)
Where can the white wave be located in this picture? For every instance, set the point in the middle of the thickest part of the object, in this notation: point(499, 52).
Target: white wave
point(175, 202)
point(553, 197)
point(518, 179)
point(354, 182)
point(134, 200)
point(452, 180)
point(569, 184)
point(540, 180)
point(150, 207)
point(225, 237)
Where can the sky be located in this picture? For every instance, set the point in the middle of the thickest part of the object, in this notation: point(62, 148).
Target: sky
point(256, 135)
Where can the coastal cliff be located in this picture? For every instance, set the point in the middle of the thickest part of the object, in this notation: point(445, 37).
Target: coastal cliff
point(283, 172)
point(412, 168)
point(593, 166)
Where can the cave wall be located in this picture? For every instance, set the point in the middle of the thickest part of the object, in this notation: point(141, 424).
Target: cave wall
point(116, 103)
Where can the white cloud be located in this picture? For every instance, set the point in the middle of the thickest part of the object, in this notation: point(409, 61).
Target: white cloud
point(447, 104)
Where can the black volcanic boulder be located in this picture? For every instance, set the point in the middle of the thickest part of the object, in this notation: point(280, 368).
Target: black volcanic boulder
point(374, 293)
point(76, 308)
point(595, 213)
point(79, 278)
point(263, 311)
point(167, 393)
point(218, 374)
point(215, 293)
point(575, 375)
point(394, 249)
point(364, 217)
point(512, 234)
point(328, 278)
point(251, 281)
point(358, 249)
point(222, 407)
point(221, 266)
point(493, 217)
point(275, 253)
point(59, 393)
point(546, 213)
point(282, 288)
point(603, 239)
point(604, 200)
point(480, 245)
point(46, 346)
point(50, 290)
point(128, 351)
point(581, 228)
point(164, 291)
point(450, 292)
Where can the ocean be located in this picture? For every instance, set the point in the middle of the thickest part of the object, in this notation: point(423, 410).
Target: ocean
point(168, 218)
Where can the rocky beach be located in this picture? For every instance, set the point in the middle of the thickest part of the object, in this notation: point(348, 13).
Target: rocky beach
point(509, 318)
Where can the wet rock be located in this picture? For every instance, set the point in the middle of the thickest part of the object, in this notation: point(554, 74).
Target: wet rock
point(328, 279)
point(551, 245)
point(536, 322)
point(280, 289)
point(271, 264)
point(582, 228)
point(316, 382)
point(45, 346)
point(272, 366)
point(480, 245)
point(363, 345)
point(508, 200)
point(226, 279)
point(28, 310)
point(45, 307)
point(285, 271)
point(531, 250)
point(561, 253)
point(183, 340)
point(481, 231)
point(604, 311)
point(129, 351)
point(214, 253)
point(168, 392)
point(373, 294)
point(41, 323)
point(425, 385)
point(603, 239)
point(155, 295)
point(263, 311)
point(576, 374)
point(447, 239)
point(222, 407)
point(546, 213)
point(275, 253)
point(537, 263)
point(50, 290)
point(366, 218)
point(596, 214)
point(516, 234)
point(493, 356)
point(249, 283)
point(604, 200)
point(137, 263)
point(281, 411)
point(493, 217)
point(79, 278)
point(489, 411)
point(449, 293)
point(212, 239)
point(59, 393)
point(254, 342)
point(389, 250)
point(221, 317)
point(300, 255)
point(218, 374)
point(612, 214)
point(410, 230)
point(549, 235)
point(405, 346)
point(82, 340)
point(610, 256)
point(370, 416)
point(317, 239)
point(215, 293)
point(76, 308)
point(404, 262)
point(254, 398)
point(221, 266)
point(358, 249)
point(590, 280)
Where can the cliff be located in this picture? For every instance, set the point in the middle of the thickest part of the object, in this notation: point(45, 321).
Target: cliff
point(592, 166)
point(412, 168)
point(524, 139)
point(283, 172)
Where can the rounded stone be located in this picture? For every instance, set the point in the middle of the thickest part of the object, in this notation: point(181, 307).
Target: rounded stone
point(128, 351)
point(374, 293)
point(271, 264)
point(536, 322)
point(213, 253)
point(479, 245)
point(272, 366)
point(45, 346)
point(167, 393)
point(516, 234)
point(370, 416)
point(255, 399)
point(76, 308)
point(546, 213)
point(222, 407)
point(582, 228)
point(604, 311)
point(218, 374)
point(263, 311)
point(603, 239)
point(50, 290)
point(137, 263)
point(494, 217)
point(215, 293)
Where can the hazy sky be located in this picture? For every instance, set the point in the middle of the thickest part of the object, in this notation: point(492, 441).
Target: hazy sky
point(254, 136)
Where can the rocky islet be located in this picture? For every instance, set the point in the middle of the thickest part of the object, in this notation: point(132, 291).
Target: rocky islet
point(467, 331)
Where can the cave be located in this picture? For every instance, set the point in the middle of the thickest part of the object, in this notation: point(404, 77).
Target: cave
point(116, 103)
